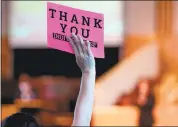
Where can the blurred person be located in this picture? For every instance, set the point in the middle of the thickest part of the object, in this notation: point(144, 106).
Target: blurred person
point(73, 100)
point(24, 77)
point(124, 100)
point(84, 105)
point(146, 102)
point(25, 94)
point(26, 91)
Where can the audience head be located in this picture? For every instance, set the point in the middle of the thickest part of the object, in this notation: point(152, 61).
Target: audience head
point(20, 120)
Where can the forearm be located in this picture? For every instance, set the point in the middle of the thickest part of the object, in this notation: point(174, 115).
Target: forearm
point(84, 105)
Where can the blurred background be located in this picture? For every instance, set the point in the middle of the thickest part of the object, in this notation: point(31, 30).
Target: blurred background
point(137, 82)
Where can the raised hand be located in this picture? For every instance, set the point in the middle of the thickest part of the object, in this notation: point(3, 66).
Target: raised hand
point(86, 62)
point(83, 54)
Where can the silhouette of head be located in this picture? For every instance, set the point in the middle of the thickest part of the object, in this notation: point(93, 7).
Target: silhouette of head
point(20, 120)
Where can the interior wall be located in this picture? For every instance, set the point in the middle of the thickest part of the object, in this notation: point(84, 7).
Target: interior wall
point(175, 17)
point(139, 17)
point(139, 25)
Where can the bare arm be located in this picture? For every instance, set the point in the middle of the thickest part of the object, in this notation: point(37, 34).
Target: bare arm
point(86, 62)
point(83, 109)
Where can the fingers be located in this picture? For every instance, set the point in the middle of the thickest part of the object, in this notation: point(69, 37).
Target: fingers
point(88, 48)
point(78, 44)
point(83, 46)
point(74, 47)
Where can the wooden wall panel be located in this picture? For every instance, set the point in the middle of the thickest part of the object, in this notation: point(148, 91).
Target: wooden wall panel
point(7, 63)
point(6, 67)
point(135, 42)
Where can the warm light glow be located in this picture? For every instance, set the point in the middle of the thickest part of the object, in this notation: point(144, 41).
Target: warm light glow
point(124, 76)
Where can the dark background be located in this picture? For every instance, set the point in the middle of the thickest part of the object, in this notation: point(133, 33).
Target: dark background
point(36, 62)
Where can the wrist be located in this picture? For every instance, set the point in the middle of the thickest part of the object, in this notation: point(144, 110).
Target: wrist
point(90, 71)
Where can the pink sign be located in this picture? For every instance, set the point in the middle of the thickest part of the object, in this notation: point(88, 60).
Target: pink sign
point(62, 21)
